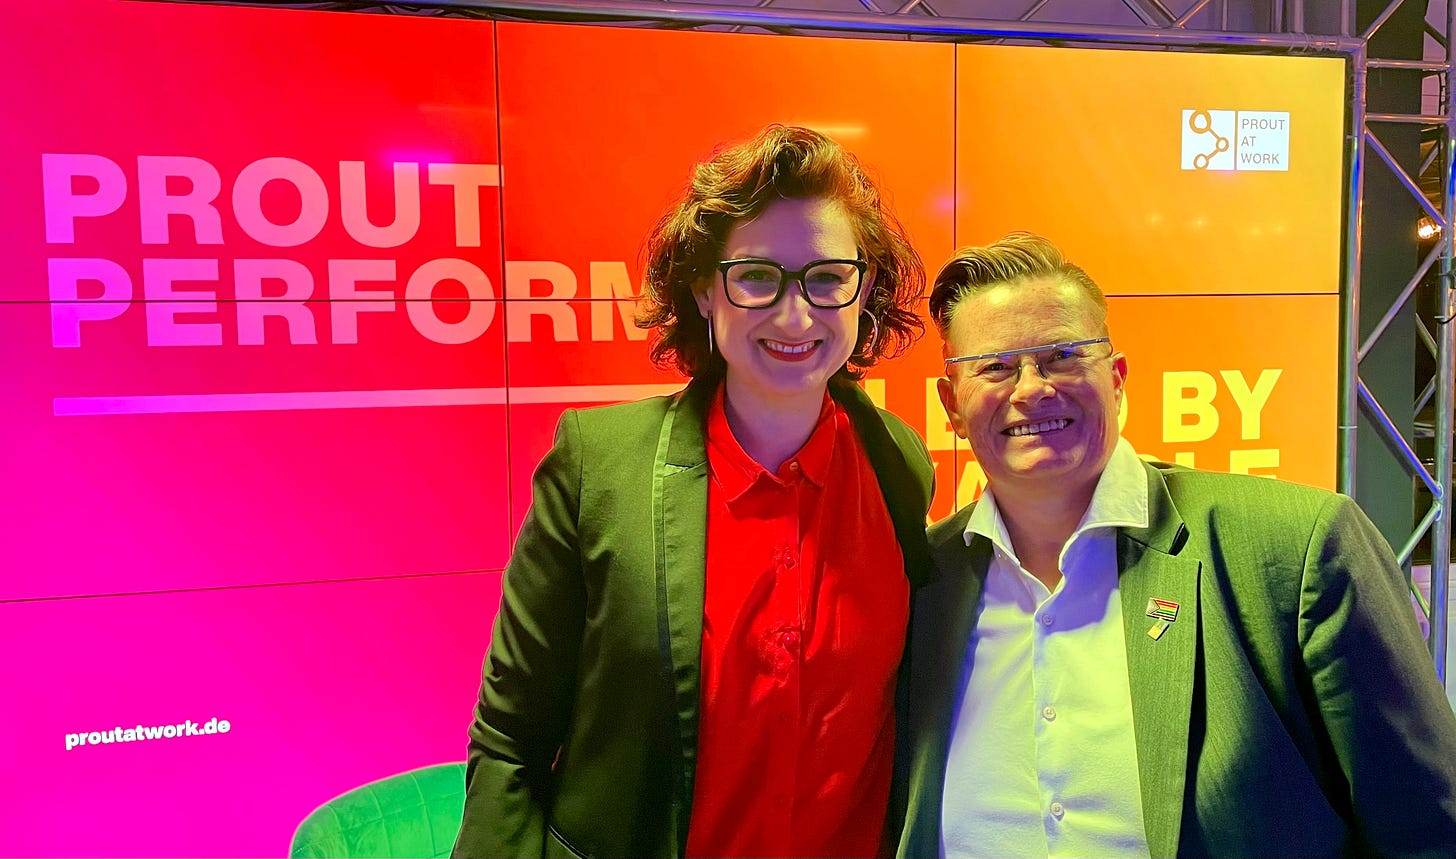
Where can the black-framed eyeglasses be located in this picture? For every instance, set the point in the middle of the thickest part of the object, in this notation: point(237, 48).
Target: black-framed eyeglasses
point(757, 283)
point(1054, 361)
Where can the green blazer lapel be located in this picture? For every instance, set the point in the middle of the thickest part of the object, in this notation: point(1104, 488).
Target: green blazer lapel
point(906, 493)
point(1160, 671)
point(680, 516)
point(940, 633)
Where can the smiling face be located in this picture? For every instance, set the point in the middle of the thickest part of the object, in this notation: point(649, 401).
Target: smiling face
point(785, 354)
point(1035, 436)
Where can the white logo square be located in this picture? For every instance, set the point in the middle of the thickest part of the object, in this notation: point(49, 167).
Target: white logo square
point(1263, 140)
point(1208, 142)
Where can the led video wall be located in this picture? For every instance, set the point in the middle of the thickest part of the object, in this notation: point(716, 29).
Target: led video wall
point(293, 301)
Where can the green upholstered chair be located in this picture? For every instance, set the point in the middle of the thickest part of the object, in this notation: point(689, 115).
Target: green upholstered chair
point(413, 814)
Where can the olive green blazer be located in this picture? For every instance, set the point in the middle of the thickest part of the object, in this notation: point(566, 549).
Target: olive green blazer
point(1290, 710)
point(585, 736)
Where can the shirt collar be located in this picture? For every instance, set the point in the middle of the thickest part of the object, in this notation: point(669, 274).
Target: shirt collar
point(1119, 501)
point(1121, 497)
point(737, 472)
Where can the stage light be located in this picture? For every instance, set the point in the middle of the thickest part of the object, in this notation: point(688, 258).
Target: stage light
point(1427, 229)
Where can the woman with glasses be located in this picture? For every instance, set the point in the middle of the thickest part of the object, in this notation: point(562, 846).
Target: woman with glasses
point(704, 614)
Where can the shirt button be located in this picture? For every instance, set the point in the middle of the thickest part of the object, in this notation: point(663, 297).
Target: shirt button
point(794, 466)
point(788, 558)
point(1046, 619)
point(791, 640)
point(1049, 713)
point(1058, 810)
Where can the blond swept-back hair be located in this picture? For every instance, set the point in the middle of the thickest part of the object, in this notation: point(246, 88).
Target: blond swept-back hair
point(1014, 259)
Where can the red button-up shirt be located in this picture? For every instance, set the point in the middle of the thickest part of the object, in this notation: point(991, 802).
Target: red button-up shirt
point(803, 626)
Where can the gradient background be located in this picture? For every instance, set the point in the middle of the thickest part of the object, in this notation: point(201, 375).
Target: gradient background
point(325, 578)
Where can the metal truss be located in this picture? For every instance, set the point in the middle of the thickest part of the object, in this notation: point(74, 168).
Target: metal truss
point(1262, 26)
point(1436, 173)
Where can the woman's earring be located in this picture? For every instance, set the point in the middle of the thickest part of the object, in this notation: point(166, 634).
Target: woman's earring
point(874, 341)
point(710, 335)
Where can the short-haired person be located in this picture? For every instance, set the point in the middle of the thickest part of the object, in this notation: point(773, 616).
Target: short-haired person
point(1120, 658)
point(704, 613)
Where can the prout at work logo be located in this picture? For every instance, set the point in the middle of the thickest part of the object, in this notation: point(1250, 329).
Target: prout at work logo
point(1235, 140)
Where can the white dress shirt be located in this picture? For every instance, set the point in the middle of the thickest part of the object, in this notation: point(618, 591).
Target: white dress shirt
point(1043, 760)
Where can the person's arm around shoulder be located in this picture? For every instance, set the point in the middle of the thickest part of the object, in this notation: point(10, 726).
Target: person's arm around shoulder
point(530, 670)
point(1389, 722)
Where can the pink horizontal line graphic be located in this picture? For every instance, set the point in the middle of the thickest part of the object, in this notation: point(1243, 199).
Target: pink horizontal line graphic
point(283, 401)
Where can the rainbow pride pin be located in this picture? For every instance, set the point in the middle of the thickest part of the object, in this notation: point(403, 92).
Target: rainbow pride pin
point(1163, 609)
point(1164, 612)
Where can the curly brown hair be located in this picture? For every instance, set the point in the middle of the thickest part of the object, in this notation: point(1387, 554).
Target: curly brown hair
point(737, 183)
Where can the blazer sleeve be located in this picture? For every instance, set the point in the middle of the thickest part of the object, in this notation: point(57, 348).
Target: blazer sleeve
point(917, 458)
point(1389, 725)
point(530, 670)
